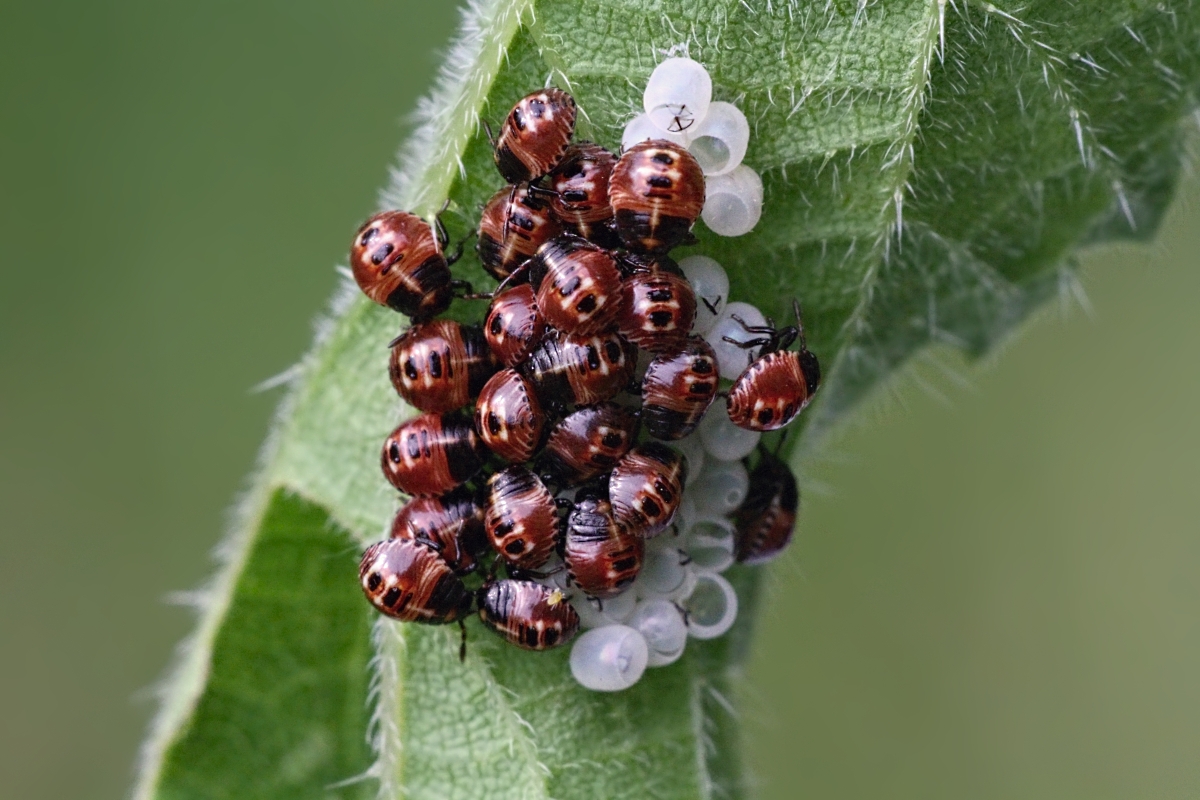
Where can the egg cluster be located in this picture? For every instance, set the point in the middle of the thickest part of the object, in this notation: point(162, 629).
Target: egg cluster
point(679, 108)
point(567, 443)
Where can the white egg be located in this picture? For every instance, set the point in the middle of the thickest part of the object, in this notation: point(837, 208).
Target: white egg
point(641, 129)
point(733, 201)
point(722, 439)
point(720, 140)
point(609, 659)
point(665, 575)
point(594, 613)
point(711, 285)
point(721, 489)
point(710, 543)
point(678, 95)
point(673, 537)
point(664, 629)
point(711, 608)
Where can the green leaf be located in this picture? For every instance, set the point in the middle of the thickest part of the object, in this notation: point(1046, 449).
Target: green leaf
point(930, 166)
point(283, 709)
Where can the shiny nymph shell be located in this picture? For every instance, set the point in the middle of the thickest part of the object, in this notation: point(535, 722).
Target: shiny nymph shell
point(521, 518)
point(527, 614)
point(509, 417)
point(773, 390)
point(535, 135)
point(409, 581)
point(440, 365)
point(764, 523)
point(678, 388)
point(657, 192)
point(514, 327)
point(588, 442)
point(431, 454)
point(646, 486)
point(603, 556)
point(582, 370)
point(578, 285)
point(513, 225)
point(452, 524)
point(658, 310)
point(581, 186)
point(398, 262)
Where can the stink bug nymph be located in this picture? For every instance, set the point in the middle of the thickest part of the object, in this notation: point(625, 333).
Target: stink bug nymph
point(398, 262)
point(439, 365)
point(588, 442)
point(764, 522)
point(657, 192)
point(411, 582)
point(602, 555)
point(678, 388)
point(582, 370)
point(451, 524)
point(646, 486)
point(580, 184)
point(521, 519)
point(509, 417)
point(776, 387)
point(658, 309)
point(527, 614)
point(431, 454)
point(514, 224)
point(514, 327)
point(578, 285)
point(535, 135)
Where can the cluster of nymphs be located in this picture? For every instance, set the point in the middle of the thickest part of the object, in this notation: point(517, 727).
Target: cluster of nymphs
point(544, 495)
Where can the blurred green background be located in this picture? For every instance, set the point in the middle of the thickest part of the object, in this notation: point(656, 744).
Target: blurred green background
point(995, 593)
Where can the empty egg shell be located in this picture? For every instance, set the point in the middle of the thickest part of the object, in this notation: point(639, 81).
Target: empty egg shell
point(678, 95)
point(609, 659)
point(720, 140)
point(733, 202)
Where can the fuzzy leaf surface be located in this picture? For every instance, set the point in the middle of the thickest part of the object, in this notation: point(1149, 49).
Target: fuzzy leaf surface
point(929, 166)
point(284, 708)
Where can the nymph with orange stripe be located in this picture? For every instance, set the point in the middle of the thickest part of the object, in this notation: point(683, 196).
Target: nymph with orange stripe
point(763, 524)
point(658, 306)
point(398, 262)
point(587, 442)
point(580, 186)
point(522, 520)
point(409, 581)
point(645, 488)
point(452, 524)
point(514, 224)
point(603, 556)
point(578, 285)
point(432, 454)
point(580, 370)
point(777, 385)
point(509, 417)
point(527, 614)
point(657, 192)
point(678, 388)
point(535, 135)
point(440, 365)
point(514, 327)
